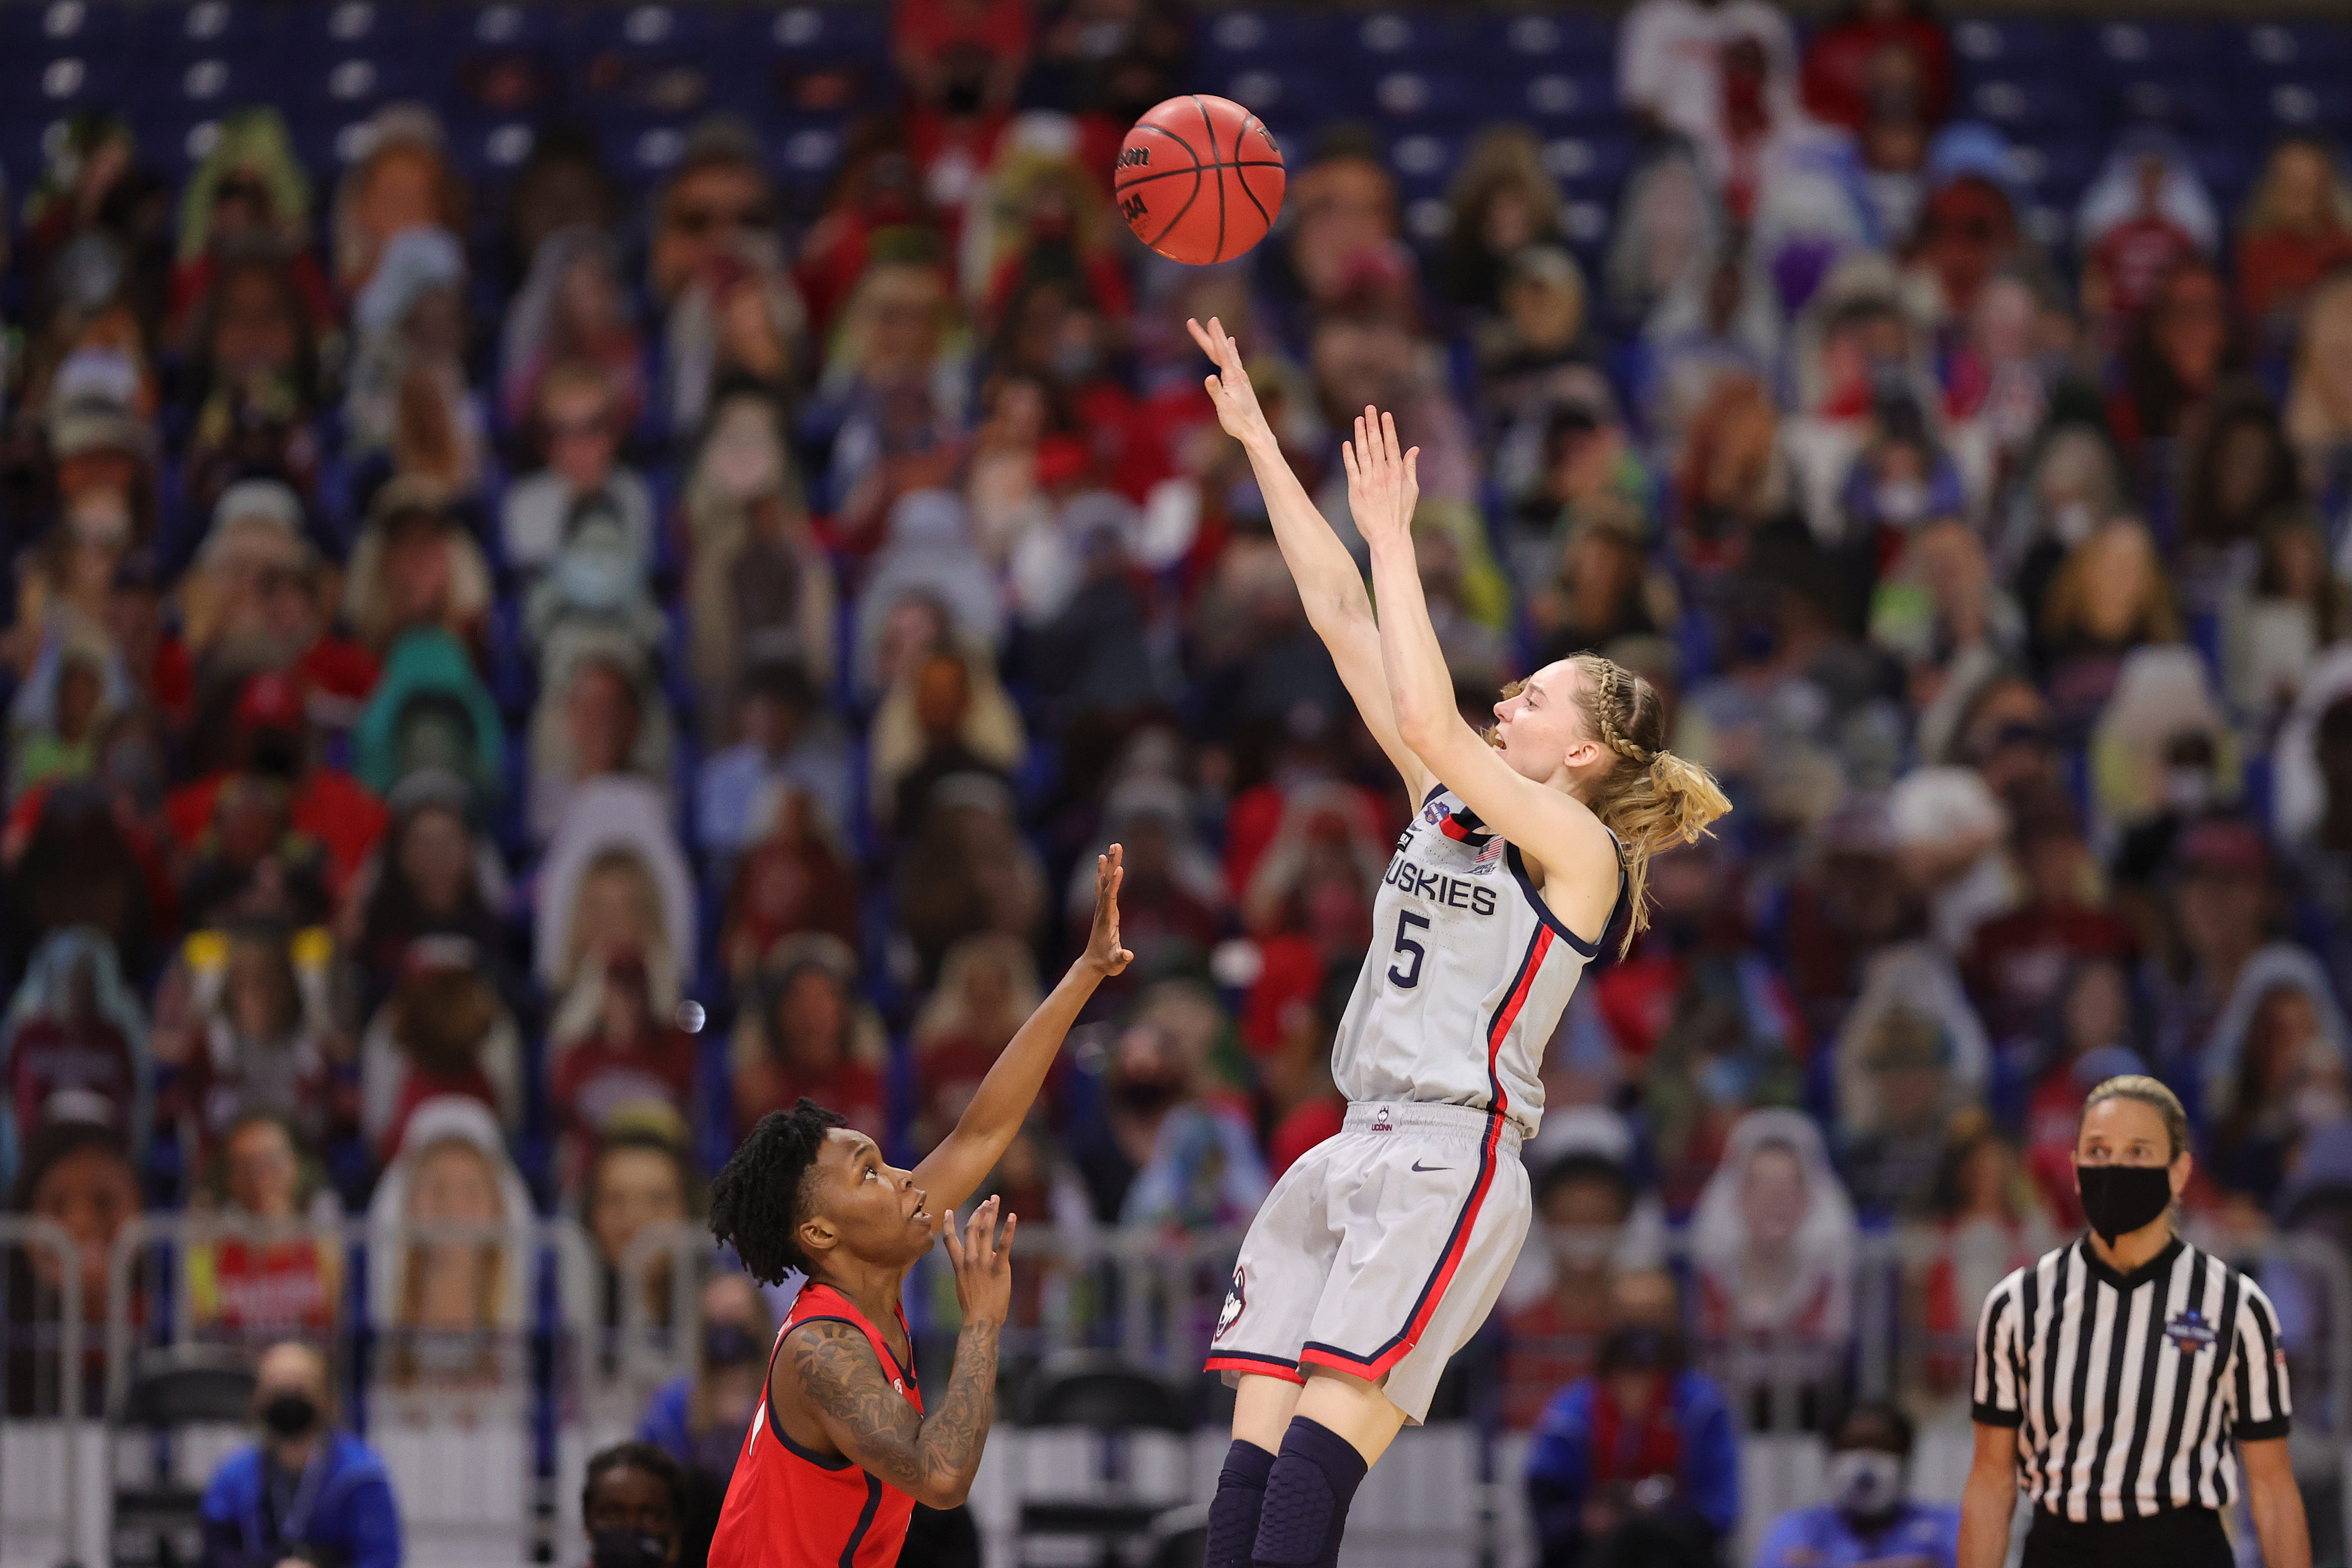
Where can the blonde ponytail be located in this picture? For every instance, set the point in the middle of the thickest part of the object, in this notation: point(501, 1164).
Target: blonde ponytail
point(1653, 798)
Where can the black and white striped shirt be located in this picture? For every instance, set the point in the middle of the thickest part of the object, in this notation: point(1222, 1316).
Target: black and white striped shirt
point(2130, 1392)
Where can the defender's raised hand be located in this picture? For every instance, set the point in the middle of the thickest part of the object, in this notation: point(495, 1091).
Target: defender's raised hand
point(984, 1264)
point(1383, 479)
point(1230, 388)
point(1103, 953)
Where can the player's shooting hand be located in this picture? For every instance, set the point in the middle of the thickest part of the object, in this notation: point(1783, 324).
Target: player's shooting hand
point(1102, 952)
point(1230, 388)
point(1383, 479)
point(984, 1264)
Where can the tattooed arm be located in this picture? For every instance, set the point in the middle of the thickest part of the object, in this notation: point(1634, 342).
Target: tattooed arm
point(932, 1459)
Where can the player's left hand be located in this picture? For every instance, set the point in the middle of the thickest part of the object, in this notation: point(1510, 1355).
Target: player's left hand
point(1104, 953)
point(1383, 479)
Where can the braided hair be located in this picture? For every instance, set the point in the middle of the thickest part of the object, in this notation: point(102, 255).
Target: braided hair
point(761, 1196)
point(1652, 798)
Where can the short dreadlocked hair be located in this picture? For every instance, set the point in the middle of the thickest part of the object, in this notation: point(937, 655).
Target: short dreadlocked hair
point(761, 1197)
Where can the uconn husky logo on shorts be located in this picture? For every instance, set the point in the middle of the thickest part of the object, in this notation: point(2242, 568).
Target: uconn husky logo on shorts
point(1236, 1299)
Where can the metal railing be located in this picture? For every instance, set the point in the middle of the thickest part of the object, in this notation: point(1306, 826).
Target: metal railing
point(566, 1367)
point(32, 1232)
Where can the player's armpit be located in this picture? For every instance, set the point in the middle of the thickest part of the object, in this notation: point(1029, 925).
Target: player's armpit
point(869, 1421)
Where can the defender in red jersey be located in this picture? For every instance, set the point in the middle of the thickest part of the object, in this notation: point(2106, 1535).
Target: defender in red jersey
point(842, 1448)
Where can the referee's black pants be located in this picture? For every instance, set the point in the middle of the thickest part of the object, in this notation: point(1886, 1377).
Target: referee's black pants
point(2177, 1538)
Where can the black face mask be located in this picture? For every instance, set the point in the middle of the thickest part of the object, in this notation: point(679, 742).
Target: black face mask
point(1145, 1095)
point(627, 1549)
point(289, 1414)
point(729, 1344)
point(2120, 1199)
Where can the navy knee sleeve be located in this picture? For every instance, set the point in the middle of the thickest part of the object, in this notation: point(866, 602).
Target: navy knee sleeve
point(1306, 1495)
point(1241, 1499)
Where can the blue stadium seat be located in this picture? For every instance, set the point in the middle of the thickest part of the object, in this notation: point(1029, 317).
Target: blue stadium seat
point(352, 84)
point(1558, 97)
point(60, 23)
point(1390, 39)
point(1589, 163)
point(1263, 38)
point(1411, 94)
point(2155, 48)
point(335, 26)
point(806, 152)
point(486, 147)
point(501, 25)
point(1424, 162)
point(831, 30)
point(641, 148)
point(2025, 103)
point(1297, 94)
point(2058, 171)
point(213, 84)
point(2306, 105)
point(2228, 171)
point(2294, 48)
point(2188, 107)
point(49, 85)
point(649, 24)
point(200, 29)
point(1539, 41)
point(2001, 45)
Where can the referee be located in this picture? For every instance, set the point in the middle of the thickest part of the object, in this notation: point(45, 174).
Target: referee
point(2128, 1378)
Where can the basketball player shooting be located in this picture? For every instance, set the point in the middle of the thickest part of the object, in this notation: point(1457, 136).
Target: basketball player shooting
point(1378, 1253)
point(842, 1447)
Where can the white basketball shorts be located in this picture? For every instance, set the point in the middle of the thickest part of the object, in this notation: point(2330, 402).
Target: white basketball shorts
point(1380, 1252)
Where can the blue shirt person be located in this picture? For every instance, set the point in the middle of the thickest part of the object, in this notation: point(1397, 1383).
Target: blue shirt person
point(1867, 1519)
point(308, 1489)
point(1637, 1466)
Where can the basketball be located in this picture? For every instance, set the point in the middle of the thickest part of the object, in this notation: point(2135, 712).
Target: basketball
point(1199, 179)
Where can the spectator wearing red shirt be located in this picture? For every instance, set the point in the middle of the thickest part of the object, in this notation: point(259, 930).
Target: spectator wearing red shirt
point(2016, 961)
point(803, 1033)
point(2147, 214)
point(622, 1063)
point(1848, 80)
point(2296, 229)
point(266, 1287)
point(271, 737)
point(1582, 1204)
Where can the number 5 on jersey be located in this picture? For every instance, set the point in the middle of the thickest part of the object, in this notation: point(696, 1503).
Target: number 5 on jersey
point(1404, 943)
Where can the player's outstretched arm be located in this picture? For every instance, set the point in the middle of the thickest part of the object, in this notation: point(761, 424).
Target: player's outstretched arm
point(1329, 584)
point(932, 1459)
point(1383, 485)
point(950, 1173)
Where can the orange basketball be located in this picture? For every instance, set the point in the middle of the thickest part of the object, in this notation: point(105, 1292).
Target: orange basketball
point(1199, 179)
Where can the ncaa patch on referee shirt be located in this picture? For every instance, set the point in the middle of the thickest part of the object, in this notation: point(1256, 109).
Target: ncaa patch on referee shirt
point(2190, 1333)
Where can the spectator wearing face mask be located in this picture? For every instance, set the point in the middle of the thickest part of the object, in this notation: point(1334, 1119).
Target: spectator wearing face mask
point(631, 1505)
point(1636, 1464)
point(1868, 1517)
point(308, 1491)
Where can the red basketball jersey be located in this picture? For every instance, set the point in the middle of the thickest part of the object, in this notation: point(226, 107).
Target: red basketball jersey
point(789, 1507)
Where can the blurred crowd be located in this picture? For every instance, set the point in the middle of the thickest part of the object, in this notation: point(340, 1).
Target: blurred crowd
point(508, 681)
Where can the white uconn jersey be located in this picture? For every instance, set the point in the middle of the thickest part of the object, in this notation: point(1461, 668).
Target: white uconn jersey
point(1468, 975)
